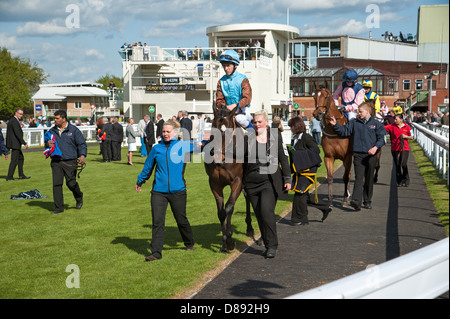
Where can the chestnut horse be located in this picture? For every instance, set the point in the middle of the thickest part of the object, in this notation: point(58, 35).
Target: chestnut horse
point(224, 173)
point(334, 146)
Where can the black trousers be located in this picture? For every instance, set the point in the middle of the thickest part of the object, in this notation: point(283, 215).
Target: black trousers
point(17, 160)
point(401, 166)
point(263, 202)
point(159, 203)
point(67, 170)
point(116, 151)
point(106, 150)
point(364, 172)
point(300, 207)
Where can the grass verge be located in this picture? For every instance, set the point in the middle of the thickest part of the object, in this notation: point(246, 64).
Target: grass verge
point(437, 186)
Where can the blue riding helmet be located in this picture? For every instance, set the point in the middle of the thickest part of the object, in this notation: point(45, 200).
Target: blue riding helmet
point(229, 56)
point(350, 76)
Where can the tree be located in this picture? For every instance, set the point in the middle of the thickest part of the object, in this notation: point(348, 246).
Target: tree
point(106, 79)
point(18, 81)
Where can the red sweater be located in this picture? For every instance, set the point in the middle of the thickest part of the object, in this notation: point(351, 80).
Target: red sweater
point(396, 132)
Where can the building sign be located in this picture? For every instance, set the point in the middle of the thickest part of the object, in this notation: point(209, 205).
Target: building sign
point(38, 107)
point(170, 80)
point(169, 88)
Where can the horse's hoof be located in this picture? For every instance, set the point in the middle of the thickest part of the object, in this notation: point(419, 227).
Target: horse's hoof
point(250, 233)
point(224, 250)
point(231, 244)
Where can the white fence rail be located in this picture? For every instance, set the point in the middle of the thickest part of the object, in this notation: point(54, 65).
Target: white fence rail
point(35, 136)
point(436, 147)
point(421, 274)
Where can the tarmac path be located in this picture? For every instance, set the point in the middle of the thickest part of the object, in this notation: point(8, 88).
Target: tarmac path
point(402, 220)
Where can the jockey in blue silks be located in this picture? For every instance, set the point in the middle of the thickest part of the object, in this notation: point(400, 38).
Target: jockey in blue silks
point(234, 89)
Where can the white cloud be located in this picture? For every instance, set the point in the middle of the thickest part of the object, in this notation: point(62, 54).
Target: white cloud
point(340, 26)
point(7, 41)
point(44, 29)
point(94, 53)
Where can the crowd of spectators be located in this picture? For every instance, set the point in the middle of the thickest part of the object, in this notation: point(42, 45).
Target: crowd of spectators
point(431, 118)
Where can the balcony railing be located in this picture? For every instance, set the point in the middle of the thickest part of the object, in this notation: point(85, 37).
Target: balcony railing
point(136, 53)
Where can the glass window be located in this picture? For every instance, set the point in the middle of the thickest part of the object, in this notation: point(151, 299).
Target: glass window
point(324, 48)
point(406, 85)
point(78, 104)
point(297, 50)
point(335, 48)
point(313, 50)
point(307, 87)
point(419, 84)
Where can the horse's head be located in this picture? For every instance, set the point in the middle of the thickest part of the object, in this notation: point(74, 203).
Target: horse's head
point(322, 100)
point(223, 118)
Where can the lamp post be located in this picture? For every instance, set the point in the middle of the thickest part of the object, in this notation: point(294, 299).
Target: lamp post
point(435, 72)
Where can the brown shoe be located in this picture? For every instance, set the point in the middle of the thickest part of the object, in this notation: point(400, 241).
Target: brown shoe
point(151, 258)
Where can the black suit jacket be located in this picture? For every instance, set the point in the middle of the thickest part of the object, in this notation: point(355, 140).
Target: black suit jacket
point(14, 135)
point(117, 132)
point(186, 123)
point(150, 131)
point(159, 127)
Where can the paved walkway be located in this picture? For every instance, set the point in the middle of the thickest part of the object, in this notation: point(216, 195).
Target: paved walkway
point(402, 220)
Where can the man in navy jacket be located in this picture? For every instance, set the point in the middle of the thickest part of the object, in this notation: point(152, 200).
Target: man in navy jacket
point(368, 138)
point(73, 148)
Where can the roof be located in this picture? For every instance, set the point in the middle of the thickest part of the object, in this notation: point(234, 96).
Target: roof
point(243, 27)
point(330, 72)
point(51, 93)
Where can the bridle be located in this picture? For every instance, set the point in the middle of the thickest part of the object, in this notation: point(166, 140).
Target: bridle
point(326, 106)
point(323, 113)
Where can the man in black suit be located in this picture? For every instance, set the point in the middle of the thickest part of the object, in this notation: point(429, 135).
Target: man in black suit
point(149, 131)
point(117, 139)
point(159, 127)
point(14, 142)
point(186, 124)
point(186, 129)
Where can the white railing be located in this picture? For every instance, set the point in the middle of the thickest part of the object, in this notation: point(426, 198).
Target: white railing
point(435, 146)
point(421, 274)
point(35, 136)
point(193, 54)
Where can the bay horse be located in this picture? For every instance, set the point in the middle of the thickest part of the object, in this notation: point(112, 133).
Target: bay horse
point(224, 173)
point(334, 146)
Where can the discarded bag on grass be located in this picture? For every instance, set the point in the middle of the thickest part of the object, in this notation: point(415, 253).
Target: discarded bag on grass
point(34, 194)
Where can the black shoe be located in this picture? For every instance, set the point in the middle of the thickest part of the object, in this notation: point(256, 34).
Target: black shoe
point(79, 204)
point(24, 177)
point(355, 205)
point(326, 212)
point(367, 206)
point(10, 179)
point(151, 258)
point(299, 223)
point(57, 211)
point(270, 253)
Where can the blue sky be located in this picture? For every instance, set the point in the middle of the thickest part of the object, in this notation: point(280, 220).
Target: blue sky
point(48, 33)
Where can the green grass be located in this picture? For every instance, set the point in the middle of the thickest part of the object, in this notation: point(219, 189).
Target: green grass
point(109, 238)
point(436, 185)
